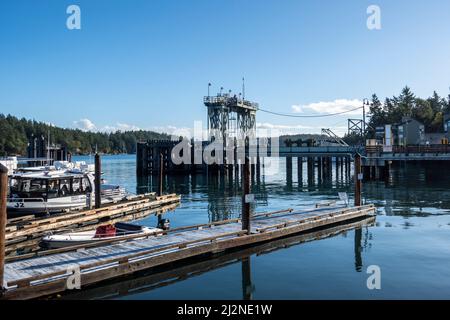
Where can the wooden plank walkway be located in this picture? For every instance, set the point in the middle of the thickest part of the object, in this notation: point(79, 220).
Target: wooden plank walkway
point(47, 274)
point(180, 272)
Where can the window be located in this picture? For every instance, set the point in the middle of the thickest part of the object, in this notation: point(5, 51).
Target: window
point(37, 187)
point(86, 185)
point(77, 186)
point(64, 187)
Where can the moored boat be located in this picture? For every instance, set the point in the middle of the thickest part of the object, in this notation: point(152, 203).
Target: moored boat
point(37, 191)
point(115, 231)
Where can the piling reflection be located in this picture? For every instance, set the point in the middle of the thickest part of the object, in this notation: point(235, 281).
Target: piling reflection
point(358, 250)
point(163, 276)
point(223, 190)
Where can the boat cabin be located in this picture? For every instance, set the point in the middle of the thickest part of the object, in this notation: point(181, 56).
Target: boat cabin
point(49, 185)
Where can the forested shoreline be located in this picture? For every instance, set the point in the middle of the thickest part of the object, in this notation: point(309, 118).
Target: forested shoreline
point(15, 134)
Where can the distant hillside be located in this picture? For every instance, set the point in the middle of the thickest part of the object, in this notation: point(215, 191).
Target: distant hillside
point(15, 133)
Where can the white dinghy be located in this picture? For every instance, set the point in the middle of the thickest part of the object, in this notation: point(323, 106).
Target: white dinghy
point(115, 231)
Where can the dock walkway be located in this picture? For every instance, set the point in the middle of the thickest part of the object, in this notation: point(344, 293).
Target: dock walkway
point(48, 274)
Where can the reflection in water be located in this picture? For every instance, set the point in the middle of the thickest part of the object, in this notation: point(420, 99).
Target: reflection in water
point(247, 286)
point(162, 276)
point(223, 191)
point(358, 249)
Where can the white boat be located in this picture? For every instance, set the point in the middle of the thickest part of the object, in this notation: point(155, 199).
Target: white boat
point(117, 231)
point(49, 190)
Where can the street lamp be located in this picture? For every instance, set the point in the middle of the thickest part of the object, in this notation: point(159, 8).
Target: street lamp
point(365, 103)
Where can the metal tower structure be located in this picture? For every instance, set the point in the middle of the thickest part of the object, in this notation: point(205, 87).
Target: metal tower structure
point(355, 127)
point(230, 116)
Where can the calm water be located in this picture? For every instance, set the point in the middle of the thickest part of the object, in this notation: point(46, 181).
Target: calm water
point(410, 240)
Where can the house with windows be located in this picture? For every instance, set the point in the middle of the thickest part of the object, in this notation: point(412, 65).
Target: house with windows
point(409, 132)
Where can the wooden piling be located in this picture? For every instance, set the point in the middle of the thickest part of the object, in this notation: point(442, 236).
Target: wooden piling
point(97, 182)
point(246, 191)
point(300, 170)
point(161, 174)
point(358, 179)
point(3, 218)
point(289, 171)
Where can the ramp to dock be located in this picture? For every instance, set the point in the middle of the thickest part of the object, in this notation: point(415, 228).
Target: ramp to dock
point(49, 273)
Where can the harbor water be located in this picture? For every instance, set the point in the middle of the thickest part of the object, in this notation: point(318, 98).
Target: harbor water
point(409, 242)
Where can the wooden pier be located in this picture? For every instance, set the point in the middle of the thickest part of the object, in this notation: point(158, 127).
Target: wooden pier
point(49, 272)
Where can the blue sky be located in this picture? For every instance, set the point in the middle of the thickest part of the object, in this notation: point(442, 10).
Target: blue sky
point(146, 64)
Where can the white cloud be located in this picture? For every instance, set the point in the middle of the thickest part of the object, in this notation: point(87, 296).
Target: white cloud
point(85, 125)
point(119, 127)
point(327, 107)
point(88, 125)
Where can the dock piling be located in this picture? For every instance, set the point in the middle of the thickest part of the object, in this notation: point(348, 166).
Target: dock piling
point(3, 217)
point(358, 179)
point(97, 183)
point(161, 174)
point(246, 191)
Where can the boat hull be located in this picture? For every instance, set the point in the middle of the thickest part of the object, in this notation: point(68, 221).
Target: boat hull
point(87, 237)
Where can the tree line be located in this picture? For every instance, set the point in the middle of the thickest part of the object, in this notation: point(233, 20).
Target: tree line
point(15, 134)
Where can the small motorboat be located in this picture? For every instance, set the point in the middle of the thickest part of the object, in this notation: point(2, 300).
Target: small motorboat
point(116, 231)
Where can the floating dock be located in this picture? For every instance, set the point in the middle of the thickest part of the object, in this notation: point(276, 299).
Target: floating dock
point(160, 277)
point(49, 272)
